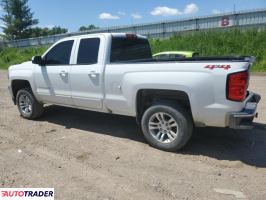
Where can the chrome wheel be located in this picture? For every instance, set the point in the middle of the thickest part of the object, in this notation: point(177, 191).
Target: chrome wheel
point(25, 105)
point(163, 127)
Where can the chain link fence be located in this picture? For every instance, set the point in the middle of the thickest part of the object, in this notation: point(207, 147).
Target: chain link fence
point(165, 29)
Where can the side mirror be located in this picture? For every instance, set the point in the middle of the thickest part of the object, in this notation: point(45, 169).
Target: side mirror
point(37, 60)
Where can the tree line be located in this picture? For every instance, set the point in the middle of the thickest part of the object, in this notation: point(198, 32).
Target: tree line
point(19, 22)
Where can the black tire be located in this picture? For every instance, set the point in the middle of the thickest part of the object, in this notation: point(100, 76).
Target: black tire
point(182, 118)
point(36, 107)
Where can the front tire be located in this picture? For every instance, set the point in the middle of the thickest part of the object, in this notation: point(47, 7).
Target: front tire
point(27, 104)
point(167, 127)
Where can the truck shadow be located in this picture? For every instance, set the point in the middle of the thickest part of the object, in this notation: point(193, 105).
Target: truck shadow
point(247, 146)
point(100, 123)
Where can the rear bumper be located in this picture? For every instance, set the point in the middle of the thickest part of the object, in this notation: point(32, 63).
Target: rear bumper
point(244, 119)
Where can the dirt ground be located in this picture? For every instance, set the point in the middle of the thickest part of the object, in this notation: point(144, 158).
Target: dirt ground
point(88, 155)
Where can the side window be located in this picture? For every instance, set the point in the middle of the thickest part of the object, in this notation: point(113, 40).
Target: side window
point(60, 53)
point(177, 56)
point(164, 56)
point(88, 51)
point(195, 55)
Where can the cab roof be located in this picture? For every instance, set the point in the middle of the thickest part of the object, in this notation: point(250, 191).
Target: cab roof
point(107, 34)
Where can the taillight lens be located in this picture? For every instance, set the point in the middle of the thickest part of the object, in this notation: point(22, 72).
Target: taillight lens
point(237, 84)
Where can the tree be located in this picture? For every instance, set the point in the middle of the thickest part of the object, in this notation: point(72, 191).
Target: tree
point(18, 19)
point(87, 28)
point(38, 31)
point(57, 30)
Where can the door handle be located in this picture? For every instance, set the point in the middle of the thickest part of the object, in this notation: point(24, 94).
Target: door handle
point(63, 73)
point(93, 74)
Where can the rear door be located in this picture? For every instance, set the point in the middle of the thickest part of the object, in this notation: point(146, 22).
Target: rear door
point(87, 73)
point(52, 80)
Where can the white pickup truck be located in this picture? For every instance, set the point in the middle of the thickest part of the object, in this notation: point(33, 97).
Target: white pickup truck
point(115, 73)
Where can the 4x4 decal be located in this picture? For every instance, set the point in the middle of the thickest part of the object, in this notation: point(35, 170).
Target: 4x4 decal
point(211, 67)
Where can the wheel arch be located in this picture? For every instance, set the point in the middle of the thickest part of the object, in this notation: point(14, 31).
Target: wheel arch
point(18, 84)
point(147, 97)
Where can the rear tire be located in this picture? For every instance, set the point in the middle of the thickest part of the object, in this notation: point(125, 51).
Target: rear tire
point(167, 127)
point(28, 105)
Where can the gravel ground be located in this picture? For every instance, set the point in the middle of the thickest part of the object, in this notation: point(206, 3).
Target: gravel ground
point(88, 155)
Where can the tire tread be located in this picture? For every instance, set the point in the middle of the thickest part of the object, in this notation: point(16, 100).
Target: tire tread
point(37, 107)
point(178, 111)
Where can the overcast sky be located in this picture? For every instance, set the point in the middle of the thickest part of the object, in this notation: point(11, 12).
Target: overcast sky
point(72, 14)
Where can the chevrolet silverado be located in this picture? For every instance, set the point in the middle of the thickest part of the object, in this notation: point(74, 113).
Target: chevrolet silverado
point(115, 73)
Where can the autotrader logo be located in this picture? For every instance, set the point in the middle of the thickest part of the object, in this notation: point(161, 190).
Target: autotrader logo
point(26, 193)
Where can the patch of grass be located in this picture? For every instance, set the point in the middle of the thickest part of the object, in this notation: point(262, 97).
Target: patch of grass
point(12, 56)
point(219, 43)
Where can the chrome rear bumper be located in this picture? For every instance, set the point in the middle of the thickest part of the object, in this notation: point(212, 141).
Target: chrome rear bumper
point(244, 119)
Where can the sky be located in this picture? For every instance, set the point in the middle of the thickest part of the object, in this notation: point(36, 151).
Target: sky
point(72, 14)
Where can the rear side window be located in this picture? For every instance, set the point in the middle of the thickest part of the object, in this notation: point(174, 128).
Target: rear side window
point(60, 53)
point(125, 49)
point(195, 55)
point(173, 56)
point(88, 51)
point(163, 56)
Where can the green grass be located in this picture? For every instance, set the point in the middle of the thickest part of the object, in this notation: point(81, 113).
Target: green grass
point(209, 43)
point(12, 56)
point(219, 43)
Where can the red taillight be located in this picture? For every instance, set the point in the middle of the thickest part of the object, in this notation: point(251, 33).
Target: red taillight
point(237, 86)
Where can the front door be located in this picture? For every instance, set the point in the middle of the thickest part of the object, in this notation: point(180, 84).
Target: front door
point(52, 79)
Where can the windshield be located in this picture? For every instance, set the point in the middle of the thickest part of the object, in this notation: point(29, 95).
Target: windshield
point(128, 49)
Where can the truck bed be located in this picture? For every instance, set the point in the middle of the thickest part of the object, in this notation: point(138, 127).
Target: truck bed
point(196, 59)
